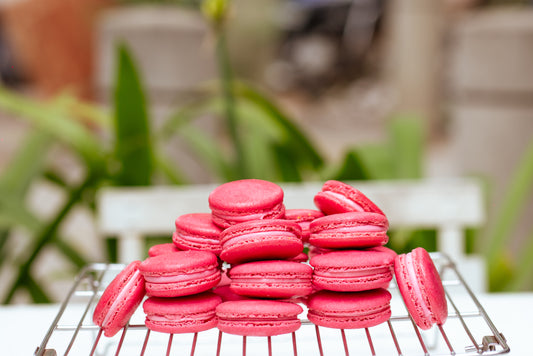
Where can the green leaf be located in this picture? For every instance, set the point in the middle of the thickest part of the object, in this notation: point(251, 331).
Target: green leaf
point(169, 170)
point(70, 252)
point(209, 151)
point(132, 132)
point(13, 212)
point(524, 268)
point(53, 120)
point(26, 164)
point(307, 153)
point(366, 162)
point(37, 293)
point(407, 146)
point(43, 237)
point(516, 196)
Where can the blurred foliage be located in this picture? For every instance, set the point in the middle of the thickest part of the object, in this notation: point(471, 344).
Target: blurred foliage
point(77, 126)
point(506, 272)
point(258, 140)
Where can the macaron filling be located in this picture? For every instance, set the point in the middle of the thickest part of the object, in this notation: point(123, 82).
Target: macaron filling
point(347, 273)
point(200, 242)
point(177, 278)
point(117, 302)
point(359, 314)
point(182, 318)
point(357, 228)
point(272, 279)
point(246, 216)
point(415, 289)
point(266, 235)
point(197, 238)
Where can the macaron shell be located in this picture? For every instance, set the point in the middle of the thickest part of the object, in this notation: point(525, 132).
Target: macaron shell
point(352, 270)
point(189, 314)
point(170, 290)
point(261, 240)
point(258, 317)
point(162, 249)
point(303, 217)
point(180, 273)
point(197, 231)
point(429, 284)
point(271, 279)
point(121, 298)
point(301, 257)
point(247, 199)
point(338, 197)
point(349, 310)
point(349, 230)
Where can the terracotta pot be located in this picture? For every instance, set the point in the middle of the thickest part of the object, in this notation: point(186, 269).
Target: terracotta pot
point(53, 42)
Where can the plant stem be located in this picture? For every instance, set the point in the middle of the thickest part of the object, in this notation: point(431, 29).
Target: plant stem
point(226, 81)
point(46, 236)
point(516, 196)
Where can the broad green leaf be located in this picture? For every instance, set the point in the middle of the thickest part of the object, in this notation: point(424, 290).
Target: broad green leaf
point(309, 153)
point(132, 133)
point(43, 237)
point(13, 212)
point(26, 164)
point(170, 171)
point(37, 293)
point(186, 114)
point(516, 196)
point(58, 124)
point(371, 161)
point(407, 146)
point(209, 151)
point(70, 252)
point(523, 277)
point(258, 155)
point(287, 170)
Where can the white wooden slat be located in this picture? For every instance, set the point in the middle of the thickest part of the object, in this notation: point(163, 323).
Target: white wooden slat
point(426, 203)
point(448, 205)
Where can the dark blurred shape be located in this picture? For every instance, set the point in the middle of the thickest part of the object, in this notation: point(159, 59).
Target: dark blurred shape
point(10, 73)
point(325, 43)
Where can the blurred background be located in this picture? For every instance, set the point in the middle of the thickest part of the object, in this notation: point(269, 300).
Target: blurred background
point(98, 93)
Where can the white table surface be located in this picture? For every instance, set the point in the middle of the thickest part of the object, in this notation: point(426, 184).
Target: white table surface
point(23, 327)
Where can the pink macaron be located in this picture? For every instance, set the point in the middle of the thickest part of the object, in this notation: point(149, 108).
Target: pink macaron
point(301, 257)
point(421, 288)
point(349, 230)
point(271, 279)
point(303, 217)
point(352, 270)
point(225, 292)
point(338, 197)
point(188, 314)
point(180, 273)
point(161, 249)
point(120, 300)
point(349, 310)
point(258, 317)
point(274, 239)
point(244, 200)
point(196, 231)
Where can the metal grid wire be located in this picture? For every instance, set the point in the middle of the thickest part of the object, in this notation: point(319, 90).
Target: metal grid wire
point(468, 330)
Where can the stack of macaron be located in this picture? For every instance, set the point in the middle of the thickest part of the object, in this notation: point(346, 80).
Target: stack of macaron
point(241, 267)
point(264, 253)
point(351, 267)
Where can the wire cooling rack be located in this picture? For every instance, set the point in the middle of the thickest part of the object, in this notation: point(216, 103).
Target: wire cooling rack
point(468, 330)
